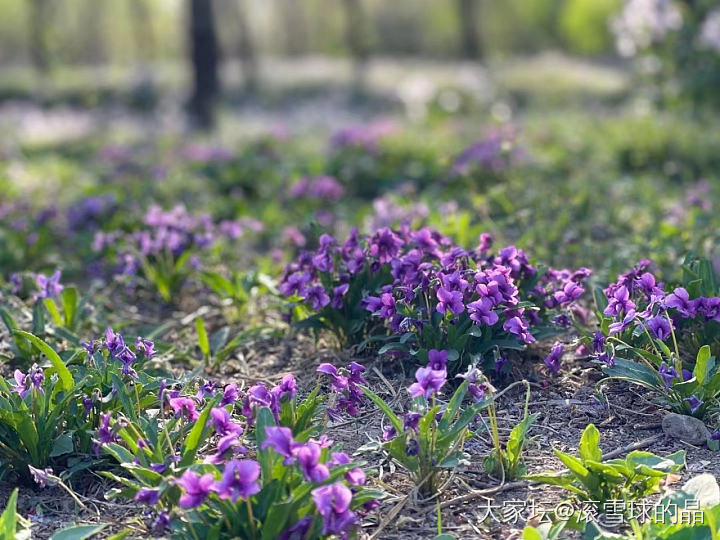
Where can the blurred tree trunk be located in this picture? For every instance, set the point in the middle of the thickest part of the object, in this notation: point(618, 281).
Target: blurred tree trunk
point(204, 54)
point(356, 40)
point(471, 44)
point(294, 27)
point(38, 20)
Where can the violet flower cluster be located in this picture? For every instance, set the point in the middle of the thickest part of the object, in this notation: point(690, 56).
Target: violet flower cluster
point(495, 153)
point(423, 274)
point(363, 136)
point(638, 302)
point(239, 478)
point(115, 345)
point(323, 188)
point(348, 397)
point(32, 381)
point(173, 232)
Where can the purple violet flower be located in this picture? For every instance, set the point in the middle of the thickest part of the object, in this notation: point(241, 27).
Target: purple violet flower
point(481, 311)
point(230, 395)
point(184, 406)
point(333, 504)
point(437, 360)
point(680, 300)
point(449, 300)
point(308, 457)
point(279, 439)
point(668, 374)
point(148, 496)
point(239, 480)
point(196, 488)
point(552, 361)
point(429, 381)
point(694, 402)
point(26, 383)
point(145, 347)
point(659, 327)
point(50, 287)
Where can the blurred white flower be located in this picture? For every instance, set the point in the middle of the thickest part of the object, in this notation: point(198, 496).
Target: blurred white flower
point(644, 22)
point(710, 31)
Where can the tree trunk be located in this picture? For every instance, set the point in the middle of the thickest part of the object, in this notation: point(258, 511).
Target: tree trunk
point(204, 53)
point(468, 13)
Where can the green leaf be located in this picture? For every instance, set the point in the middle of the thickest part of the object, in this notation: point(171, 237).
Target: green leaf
point(377, 400)
point(531, 533)
point(62, 445)
point(69, 298)
point(78, 532)
point(392, 347)
point(265, 419)
point(601, 301)
point(122, 534)
point(576, 467)
point(672, 463)
point(195, 436)
point(39, 316)
point(9, 517)
point(589, 444)
point(453, 407)
point(636, 372)
point(120, 453)
point(66, 379)
point(122, 394)
point(454, 460)
point(202, 337)
point(702, 364)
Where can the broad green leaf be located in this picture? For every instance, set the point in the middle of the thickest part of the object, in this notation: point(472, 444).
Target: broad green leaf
point(589, 444)
point(453, 407)
point(38, 326)
point(9, 517)
point(531, 533)
point(62, 445)
point(265, 419)
point(202, 337)
point(702, 364)
point(66, 379)
point(121, 392)
point(120, 453)
point(394, 420)
point(78, 532)
point(69, 298)
point(636, 372)
point(576, 466)
point(195, 436)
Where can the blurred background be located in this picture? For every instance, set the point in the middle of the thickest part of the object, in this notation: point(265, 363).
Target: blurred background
point(164, 55)
point(583, 130)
